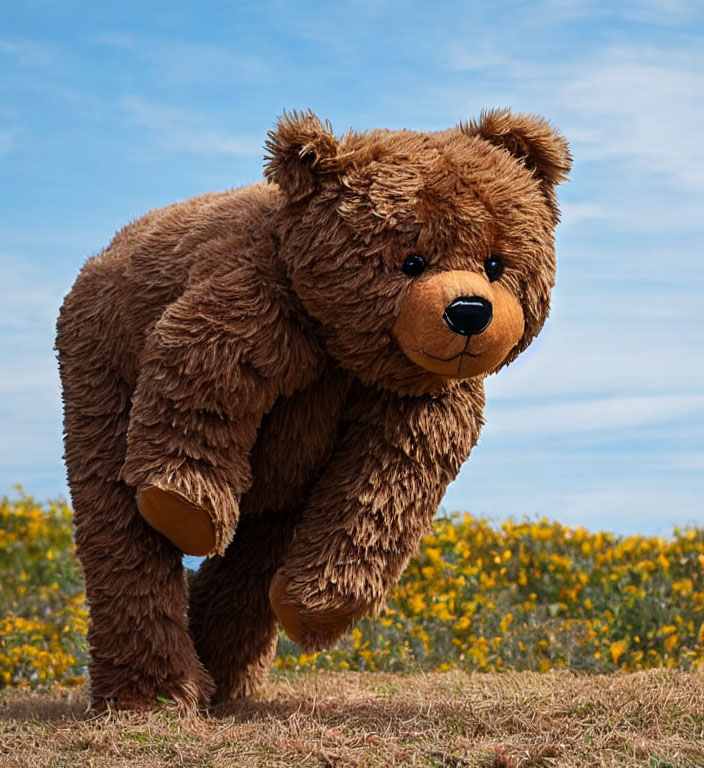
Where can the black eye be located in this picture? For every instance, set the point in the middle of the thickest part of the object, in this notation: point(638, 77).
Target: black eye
point(494, 267)
point(414, 265)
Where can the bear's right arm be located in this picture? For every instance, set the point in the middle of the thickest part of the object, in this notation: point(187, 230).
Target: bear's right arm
point(212, 366)
point(366, 513)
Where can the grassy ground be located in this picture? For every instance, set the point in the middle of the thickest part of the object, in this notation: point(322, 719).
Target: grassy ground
point(330, 720)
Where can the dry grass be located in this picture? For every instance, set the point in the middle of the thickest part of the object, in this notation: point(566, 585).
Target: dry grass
point(653, 719)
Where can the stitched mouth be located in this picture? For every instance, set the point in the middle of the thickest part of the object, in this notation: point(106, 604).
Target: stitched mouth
point(447, 359)
point(458, 356)
point(462, 353)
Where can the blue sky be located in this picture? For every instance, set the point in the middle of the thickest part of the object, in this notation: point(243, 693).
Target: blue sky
point(108, 110)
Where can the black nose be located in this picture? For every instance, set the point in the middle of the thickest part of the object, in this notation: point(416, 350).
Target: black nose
point(468, 315)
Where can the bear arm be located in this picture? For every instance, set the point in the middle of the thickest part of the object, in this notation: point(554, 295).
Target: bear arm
point(369, 510)
point(208, 374)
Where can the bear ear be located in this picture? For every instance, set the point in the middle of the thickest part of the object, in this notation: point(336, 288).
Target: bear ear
point(299, 150)
point(528, 138)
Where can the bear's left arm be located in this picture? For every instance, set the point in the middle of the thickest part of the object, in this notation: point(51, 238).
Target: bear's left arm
point(213, 364)
point(368, 511)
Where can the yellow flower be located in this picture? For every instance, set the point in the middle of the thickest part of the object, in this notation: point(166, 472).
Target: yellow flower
point(683, 587)
point(504, 623)
point(464, 623)
point(417, 604)
point(617, 649)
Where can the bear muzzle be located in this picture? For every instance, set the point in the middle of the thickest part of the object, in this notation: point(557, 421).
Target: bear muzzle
point(458, 324)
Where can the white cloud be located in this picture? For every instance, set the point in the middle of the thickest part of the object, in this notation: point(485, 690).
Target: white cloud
point(117, 40)
point(29, 383)
point(29, 300)
point(639, 204)
point(632, 105)
point(603, 415)
point(621, 510)
point(29, 375)
point(663, 11)
point(644, 100)
point(668, 12)
point(573, 213)
point(29, 54)
point(651, 351)
point(187, 62)
point(483, 55)
point(688, 461)
point(181, 62)
point(188, 131)
point(7, 142)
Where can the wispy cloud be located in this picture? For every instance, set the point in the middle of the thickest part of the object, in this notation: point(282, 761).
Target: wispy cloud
point(605, 414)
point(633, 105)
point(189, 62)
point(30, 405)
point(643, 100)
point(182, 62)
point(29, 53)
point(28, 299)
point(116, 40)
point(481, 55)
point(662, 11)
point(688, 461)
point(573, 213)
point(622, 510)
point(188, 130)
point(625, 321)
point(7, 142)
point(30, 303)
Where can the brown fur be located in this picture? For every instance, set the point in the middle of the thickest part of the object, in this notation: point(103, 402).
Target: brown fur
point(249, 356)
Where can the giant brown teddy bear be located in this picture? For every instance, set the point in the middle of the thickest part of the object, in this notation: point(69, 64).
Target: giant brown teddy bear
point(285, 377)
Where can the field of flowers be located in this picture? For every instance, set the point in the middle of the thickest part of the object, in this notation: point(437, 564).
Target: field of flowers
point(43, 618)
point(530, 595)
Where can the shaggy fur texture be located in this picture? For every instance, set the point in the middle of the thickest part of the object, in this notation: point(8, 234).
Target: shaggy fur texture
point(253, 376)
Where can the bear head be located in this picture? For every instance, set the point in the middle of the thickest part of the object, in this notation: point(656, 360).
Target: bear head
point(422, 256)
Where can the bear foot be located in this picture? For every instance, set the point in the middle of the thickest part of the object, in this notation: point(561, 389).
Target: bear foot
point(188, 691)
point(183, 697)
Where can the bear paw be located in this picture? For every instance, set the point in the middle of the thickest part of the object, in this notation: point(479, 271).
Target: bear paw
point(312, 630)
point(185, 525)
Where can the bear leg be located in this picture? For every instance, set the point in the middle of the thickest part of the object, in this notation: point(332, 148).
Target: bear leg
point(141, 653)
point(140, 648)
point(233, 626)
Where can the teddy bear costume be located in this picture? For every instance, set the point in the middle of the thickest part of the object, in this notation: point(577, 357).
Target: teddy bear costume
point(285, 377)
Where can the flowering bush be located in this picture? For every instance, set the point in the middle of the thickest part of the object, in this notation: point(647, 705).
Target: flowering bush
point(526, 595)
point(534, 595)
point(42, 615)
